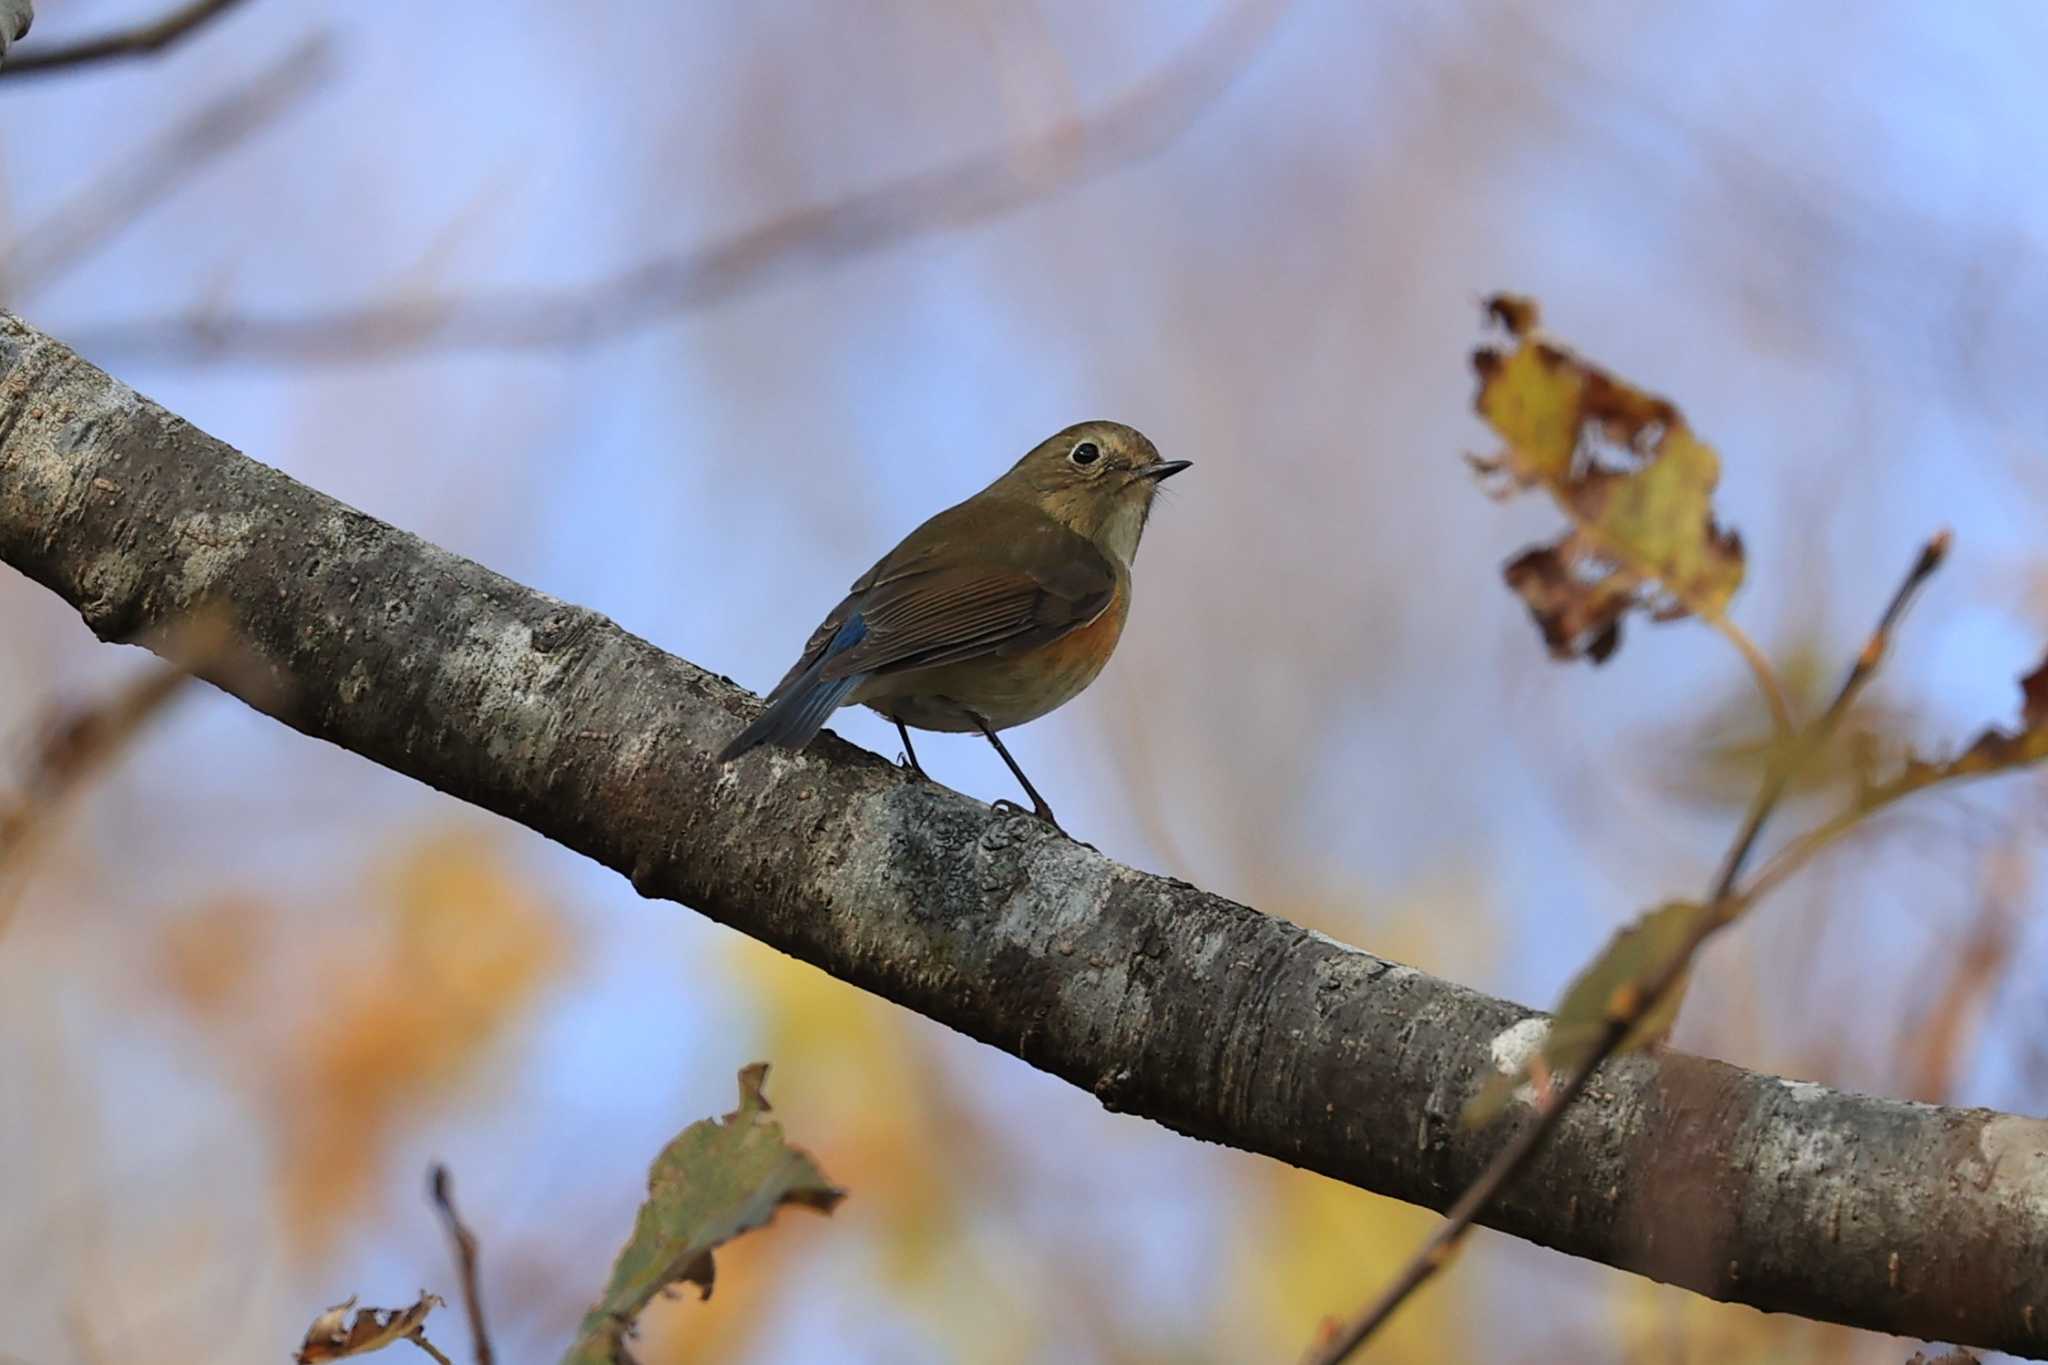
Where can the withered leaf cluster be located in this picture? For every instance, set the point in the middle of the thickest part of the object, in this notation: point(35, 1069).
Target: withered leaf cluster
point(1623, 465)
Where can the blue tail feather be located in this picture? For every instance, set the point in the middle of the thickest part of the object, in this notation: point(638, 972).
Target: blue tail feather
point(801, 709)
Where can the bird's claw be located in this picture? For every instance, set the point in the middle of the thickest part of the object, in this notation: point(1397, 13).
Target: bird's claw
point(1005, 806)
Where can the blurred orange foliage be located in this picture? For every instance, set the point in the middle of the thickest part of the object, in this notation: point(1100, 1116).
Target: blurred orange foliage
point(375, 1017)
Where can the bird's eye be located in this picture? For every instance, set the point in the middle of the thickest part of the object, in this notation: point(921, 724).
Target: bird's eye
point(1087, 452)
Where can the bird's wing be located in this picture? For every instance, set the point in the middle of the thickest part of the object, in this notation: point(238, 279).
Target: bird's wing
point(1004, 597)
point(821, 639)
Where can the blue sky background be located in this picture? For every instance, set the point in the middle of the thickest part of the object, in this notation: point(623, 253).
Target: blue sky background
point(1819, 228)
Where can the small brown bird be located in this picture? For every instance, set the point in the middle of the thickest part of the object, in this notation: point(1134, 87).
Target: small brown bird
point(994, 612)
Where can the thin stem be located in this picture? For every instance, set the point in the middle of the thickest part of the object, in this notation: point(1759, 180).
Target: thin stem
point(1724, 906)
point(466, 1259)
point(83, 744)
point(167, 163)
point(1860, 673)
point(1436, 1252)
point(1132, 125)
point(1782, 724)
point(428, 1346)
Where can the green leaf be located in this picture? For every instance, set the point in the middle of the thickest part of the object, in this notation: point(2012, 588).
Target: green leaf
point(717, 1179)
point(1623, 465)
point(1614, 989)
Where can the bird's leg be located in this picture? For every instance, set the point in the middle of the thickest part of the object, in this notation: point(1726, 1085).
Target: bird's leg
point(1038, 806)
point(910, 754)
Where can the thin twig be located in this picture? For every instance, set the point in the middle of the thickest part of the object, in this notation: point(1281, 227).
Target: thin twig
point(465, 1256)
point(1941, 1036)
point(1782, 723)
point(1137, 124)
point(75, 747)
point(1724, 905)
point(1867, 661)
point(170, 160)
point(139, 41)
point(1436, 1252)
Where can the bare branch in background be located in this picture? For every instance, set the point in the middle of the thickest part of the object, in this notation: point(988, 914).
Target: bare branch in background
point(77, 745)
point(1936, 1045)
point(45, 252)
point(1141, 122)
point(143, 40)
point(1156, 997)
point(464, 1242)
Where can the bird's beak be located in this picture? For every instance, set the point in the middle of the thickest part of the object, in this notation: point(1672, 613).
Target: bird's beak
point(1165, 469)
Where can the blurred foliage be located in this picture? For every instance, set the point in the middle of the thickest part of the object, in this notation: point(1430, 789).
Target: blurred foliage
point(1718, 756)
point(1654, 1324)
point(863, 1086)
point(373, 1020)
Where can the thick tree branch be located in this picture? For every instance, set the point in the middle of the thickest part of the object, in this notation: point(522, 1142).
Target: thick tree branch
point(1159, 998)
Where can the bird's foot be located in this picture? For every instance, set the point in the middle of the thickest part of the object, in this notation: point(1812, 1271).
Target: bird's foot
point(1005, 806)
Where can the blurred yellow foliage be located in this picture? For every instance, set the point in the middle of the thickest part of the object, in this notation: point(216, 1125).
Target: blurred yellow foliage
point(858, 1085)
point(208, 959)
point(386, 1005)
point(860, 1082)
point(1313, 1249)
point(1656, 1324)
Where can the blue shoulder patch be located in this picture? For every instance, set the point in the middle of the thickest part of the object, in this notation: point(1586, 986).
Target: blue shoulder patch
point(852, 633)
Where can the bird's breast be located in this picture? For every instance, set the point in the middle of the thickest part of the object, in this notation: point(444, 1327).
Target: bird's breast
point(1005, 689)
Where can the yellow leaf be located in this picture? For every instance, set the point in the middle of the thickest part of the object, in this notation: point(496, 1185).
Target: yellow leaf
point(1622, 464)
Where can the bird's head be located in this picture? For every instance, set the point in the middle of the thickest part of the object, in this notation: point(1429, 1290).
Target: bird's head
point(1096, 478)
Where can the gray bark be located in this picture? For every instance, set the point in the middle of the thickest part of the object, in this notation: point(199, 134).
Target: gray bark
point(1156, 997)
point(140, 40)
point(15, 17)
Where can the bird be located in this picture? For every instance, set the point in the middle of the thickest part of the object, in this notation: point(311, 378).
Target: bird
point(993, 612)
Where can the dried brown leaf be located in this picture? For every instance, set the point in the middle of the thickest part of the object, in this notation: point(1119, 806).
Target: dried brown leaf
point(1625, 468)
point(1994, 751)
point(334, 1335)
